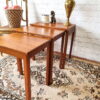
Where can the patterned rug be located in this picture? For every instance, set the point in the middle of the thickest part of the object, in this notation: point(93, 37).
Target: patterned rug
point(78, 81)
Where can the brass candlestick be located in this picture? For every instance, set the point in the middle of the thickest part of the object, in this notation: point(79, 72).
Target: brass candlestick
point(69, 5)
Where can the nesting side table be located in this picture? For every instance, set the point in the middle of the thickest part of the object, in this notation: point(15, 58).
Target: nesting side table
point(68, 30)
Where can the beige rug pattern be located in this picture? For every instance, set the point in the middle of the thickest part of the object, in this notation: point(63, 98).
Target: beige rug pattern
point(78, 81)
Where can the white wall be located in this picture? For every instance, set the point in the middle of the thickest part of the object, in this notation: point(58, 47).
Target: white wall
point(2, 14)
point(86, 16)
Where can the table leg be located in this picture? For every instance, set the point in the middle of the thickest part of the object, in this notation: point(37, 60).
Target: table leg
point(19, 64)
point(1, 53)
point(33, 58)
point(61, 54)
point(72, 40)
point(27, 78)
point(65, 49)
point(49, 63)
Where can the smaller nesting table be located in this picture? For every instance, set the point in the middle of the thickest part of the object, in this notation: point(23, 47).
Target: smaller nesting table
point(70, 30)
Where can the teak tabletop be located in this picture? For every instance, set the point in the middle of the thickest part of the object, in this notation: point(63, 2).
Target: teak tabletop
point(21, 43)
point(58, 26)
point(40, 31)
point(24, 46)
point(37, 31)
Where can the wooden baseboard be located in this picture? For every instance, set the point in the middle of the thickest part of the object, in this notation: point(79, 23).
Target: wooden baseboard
point(80, 58)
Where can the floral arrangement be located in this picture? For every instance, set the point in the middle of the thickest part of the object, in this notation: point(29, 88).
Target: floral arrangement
point(13, 14)
point(14, 6)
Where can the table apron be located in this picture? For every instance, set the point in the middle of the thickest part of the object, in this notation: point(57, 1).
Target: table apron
point(71, 30)
point(12, 52)
point(59, 36)
point(38, 49)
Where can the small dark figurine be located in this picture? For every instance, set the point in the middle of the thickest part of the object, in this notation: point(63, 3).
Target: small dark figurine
point(53, 19)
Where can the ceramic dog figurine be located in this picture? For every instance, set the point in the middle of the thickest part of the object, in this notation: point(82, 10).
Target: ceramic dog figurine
point(53, 19)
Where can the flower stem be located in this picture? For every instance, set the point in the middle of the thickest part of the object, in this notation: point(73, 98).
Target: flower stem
point(12, 2)
point(21, 3)
point(16, 2)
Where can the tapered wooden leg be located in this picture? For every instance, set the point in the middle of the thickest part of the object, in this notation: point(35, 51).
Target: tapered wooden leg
point(62, 47)
point(71, 46)
point(65, 49)
point(27, 78)
point(1, 53)
point(49, 63)
point(19, 64)
point(33, 58)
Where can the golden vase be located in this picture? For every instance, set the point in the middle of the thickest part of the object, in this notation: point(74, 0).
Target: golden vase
point(69, 5)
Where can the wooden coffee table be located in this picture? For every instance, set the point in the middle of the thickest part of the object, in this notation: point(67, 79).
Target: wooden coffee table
point(25, 46)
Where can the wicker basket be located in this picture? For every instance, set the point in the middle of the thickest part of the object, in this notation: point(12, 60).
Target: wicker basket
point(14, 17)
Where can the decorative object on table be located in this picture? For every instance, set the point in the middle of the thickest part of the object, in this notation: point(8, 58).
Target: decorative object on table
point(45, 18)
point(16, 13)
point(14, 16)
point(53, 19)
point(69, 5)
